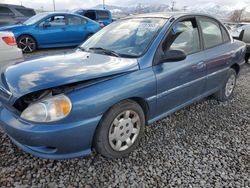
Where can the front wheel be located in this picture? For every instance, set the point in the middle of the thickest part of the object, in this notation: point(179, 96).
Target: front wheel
point(27, 44)
point(120, 130)
point(228, 87)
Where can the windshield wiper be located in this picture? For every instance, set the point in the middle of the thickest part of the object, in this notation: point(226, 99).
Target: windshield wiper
point(106, 51)
point(81, 48)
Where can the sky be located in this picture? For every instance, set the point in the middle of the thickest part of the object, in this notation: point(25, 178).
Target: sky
point(72, 4)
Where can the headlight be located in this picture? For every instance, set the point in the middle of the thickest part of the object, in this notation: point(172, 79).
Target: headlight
point(48, 110)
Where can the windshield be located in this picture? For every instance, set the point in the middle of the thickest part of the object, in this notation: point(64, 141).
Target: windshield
point(128, 38)
point(35, 18)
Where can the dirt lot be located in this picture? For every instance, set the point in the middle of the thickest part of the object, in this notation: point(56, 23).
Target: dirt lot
point(204, 145)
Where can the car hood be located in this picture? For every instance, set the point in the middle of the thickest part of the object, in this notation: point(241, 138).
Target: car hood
point(52, 71)
point(11, 27)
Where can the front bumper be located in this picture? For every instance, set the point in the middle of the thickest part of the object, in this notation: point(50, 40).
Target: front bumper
point(57, 141)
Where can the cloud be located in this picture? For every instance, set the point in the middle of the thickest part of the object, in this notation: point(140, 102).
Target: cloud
point(72, 4)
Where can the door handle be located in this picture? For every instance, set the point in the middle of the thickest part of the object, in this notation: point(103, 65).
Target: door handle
point(200, 65)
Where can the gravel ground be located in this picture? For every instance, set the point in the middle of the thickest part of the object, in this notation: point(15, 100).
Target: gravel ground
point(204, 145)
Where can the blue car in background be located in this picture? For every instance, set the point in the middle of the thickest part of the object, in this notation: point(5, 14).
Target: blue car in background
point(49, 30)
point(103, 17)
point(132, 73)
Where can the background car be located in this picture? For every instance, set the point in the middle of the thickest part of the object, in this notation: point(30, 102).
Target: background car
point(49, 30)
point(13, 14)
point(9, 52)
point(132, 73)
point(245, 37)
point(104, 17)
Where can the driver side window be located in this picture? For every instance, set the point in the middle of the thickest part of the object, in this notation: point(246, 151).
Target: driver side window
point(54, 21)
point(183, 36)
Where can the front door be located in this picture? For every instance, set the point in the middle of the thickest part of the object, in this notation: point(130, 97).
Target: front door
point(178, 83)
point(53, 31)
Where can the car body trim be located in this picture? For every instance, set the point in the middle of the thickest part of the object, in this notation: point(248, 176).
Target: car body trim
point(184, 85)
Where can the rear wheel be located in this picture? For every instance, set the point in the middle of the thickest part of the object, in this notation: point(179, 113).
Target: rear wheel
point(228, 87)
point(120, 130)
point(27, 44)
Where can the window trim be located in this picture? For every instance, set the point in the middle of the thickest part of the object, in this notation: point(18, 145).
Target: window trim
point(155, 59)
point(220, 25)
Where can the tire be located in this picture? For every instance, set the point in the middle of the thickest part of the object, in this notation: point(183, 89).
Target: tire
point(226, 91)
point(116, 126)
point(247, 57)
point(27, 44)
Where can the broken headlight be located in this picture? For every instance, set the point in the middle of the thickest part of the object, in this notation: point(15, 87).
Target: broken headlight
point(50, 109)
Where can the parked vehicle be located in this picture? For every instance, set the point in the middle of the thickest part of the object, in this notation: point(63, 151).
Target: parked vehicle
point(9, 52)
point(13, 14)
point(103, 17)
point(235, 32)
point(49, 30)
point(130, 74)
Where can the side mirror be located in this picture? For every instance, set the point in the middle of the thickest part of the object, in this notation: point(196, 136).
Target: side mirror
point(46, 24)
point(173, 56)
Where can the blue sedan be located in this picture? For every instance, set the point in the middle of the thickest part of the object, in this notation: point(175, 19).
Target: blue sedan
point(49, 30)
point(132, 73)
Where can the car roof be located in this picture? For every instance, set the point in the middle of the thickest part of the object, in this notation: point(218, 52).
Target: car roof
point(93, 9)
point(55, 13)
point(14, 6)
point(166, 15)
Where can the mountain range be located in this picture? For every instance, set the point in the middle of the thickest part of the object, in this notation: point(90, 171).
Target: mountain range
point(221, 11)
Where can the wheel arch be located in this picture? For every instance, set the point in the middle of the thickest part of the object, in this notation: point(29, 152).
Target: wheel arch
point(236, 67)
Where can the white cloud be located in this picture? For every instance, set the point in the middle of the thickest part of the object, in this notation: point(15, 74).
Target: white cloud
point(71, 4)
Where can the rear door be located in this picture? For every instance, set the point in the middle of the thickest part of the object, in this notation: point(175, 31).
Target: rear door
point(218, 51)
point(178, 83)
point(77, 30)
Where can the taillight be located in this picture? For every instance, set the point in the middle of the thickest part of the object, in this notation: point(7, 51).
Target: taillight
point(10, 40)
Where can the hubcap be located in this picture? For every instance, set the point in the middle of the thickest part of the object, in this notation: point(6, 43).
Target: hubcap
point(124, 130)
point(27, 44)
point(230, 85)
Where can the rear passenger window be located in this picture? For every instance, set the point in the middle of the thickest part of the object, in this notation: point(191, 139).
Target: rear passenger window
point(75, 20)
point(5, 11)
point(183, 36)
point(103, 15)
point(225, 35)
point(211, 32)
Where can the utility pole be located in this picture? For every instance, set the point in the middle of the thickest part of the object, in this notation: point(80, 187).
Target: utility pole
point(184, 8)
point(103, 3)
point(173, 4)
point(21, 3)
point(54, 5)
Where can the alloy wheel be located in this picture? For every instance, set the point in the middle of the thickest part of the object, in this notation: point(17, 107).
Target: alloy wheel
point(27, 44)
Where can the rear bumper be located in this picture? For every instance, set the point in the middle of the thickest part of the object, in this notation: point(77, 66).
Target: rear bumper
point(10, 55)
point(57, 141)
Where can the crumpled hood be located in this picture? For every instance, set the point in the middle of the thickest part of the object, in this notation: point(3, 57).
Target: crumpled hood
point(52, 71)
